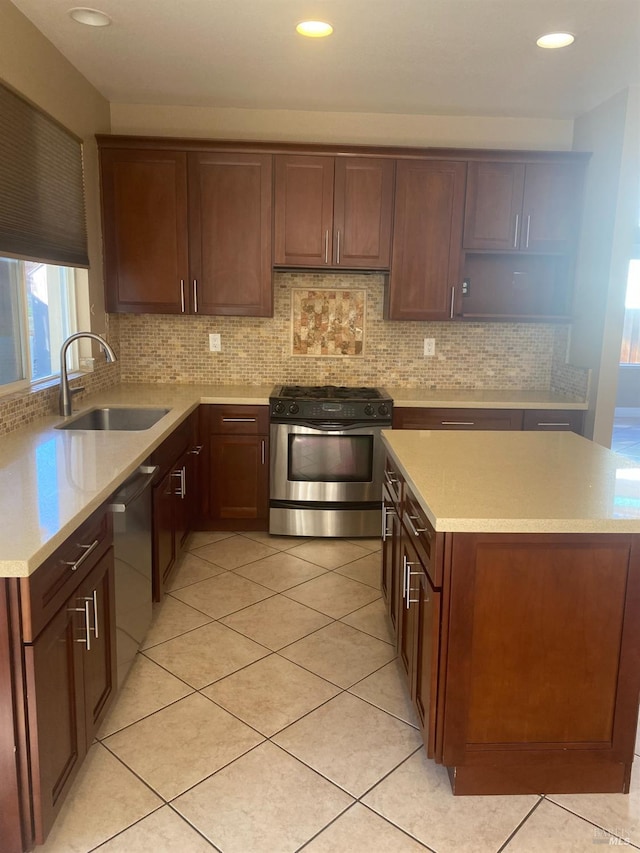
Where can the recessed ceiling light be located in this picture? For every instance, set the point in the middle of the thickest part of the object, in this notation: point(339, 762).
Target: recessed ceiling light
point(552, 40)
point(314, 29)
point(90, 17)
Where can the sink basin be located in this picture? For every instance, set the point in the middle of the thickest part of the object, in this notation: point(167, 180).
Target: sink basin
point(117, 418)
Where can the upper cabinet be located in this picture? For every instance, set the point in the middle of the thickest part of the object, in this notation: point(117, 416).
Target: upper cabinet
point(426, 256)
point(144, 223)
point(186, 231)
point(333, 211)
point(230, 233)
point(532, 207)
point(521, 225)
point(197, 226)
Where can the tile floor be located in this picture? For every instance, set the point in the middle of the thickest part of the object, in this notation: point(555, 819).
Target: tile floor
point(266, 714)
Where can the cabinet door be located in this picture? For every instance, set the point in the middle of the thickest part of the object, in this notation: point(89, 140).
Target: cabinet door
point(303, 212)
point(99, 653)
point(551, 205)
point(230, 234)
point(55, 709)
point(144, 220)
point(362, 208)
point(427, 235)
point(426, 653)
point(239, 477)
point(164, 540)
point(493, 206)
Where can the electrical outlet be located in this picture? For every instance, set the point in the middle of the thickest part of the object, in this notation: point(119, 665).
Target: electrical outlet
point(215, 344)
point(429, 347)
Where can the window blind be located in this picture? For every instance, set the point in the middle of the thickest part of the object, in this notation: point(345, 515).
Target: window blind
point(42, 212)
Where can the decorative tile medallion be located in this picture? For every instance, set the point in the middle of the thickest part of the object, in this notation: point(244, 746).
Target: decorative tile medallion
point(327, 322)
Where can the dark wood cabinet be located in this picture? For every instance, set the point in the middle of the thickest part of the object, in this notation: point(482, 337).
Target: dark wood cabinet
point(69, 672)
point(186, 231)
point(426, 418)
point(528, 207)
point(230, 233)
point(409, 417)
point(554, 419)
point(541, 677)
point(520, 235)
point(392, 496)
point(238, 475)
point(426, 254)
point(333, 211)
point(144, 223)
point(520, 654)
point(176, 498)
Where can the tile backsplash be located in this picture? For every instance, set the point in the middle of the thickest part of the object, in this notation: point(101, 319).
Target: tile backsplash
point(258, 351)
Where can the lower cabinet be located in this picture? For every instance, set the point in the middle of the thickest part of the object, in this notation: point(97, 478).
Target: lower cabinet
point(68, 663)
point(423, 417)
point(237, 484)
point(70, 671)
point(175, 498)
point(516, 688)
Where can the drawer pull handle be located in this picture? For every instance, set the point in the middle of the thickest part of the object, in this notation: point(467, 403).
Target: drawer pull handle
point(87, 623)
point(197, 450)
point(458, 423)
point(552, 423)
point(418, 530)
point(239, 420)
point(88, 549)
point(390, 478)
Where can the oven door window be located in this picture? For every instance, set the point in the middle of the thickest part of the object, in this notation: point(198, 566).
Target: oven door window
point(331, 458)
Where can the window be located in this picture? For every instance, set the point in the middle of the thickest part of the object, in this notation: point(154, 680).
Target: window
point(43, 240)
point(37, 312)
point(630, 350)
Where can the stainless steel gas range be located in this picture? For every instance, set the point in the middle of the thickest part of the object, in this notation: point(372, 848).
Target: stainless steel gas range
point(327, 460)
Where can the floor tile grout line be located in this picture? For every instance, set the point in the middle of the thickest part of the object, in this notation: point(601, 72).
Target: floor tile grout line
point(126, 828)
point(517, 829)
point(549, 798)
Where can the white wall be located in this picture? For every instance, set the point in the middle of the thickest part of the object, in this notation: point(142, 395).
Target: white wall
point(35, 69)
point(347, 128)
point(611, 205)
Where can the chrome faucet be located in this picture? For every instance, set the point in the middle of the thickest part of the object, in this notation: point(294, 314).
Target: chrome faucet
point(66, 392)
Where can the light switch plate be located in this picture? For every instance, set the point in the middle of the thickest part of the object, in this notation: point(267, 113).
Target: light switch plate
point(429, 347)
point(215, 345)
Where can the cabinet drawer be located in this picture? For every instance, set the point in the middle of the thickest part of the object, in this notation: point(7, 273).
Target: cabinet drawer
point(425, 540)
point(172, 447)
point(239, 420)
point(554, 419)
point(47, 589)
point(393, 484)
point(424, 418)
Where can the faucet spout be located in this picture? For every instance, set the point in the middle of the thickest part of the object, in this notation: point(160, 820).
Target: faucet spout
point(65, 391)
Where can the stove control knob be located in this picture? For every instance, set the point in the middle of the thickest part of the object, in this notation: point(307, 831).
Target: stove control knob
point(279, 407)
point(368, 410)
point(294, 408)
point(383, 410)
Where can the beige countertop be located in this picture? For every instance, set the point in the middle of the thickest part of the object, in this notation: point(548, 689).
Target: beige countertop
point(517, 482)
point(51, 480)
point(463, 398)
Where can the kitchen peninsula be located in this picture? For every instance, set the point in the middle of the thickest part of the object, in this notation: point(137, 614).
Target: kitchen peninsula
point(512, 576)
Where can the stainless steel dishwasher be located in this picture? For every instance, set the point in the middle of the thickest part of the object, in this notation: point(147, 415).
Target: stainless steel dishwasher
point(131, 508)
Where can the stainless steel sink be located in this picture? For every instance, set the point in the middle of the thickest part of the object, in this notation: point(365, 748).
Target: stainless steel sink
point(122, 418)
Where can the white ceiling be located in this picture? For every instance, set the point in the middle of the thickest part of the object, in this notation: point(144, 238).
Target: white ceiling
point(455, 57)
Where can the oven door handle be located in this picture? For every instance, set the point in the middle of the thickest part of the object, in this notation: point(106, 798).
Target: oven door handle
point(336, 426)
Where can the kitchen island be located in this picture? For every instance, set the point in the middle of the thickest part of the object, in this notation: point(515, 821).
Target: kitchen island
point(512, 576)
